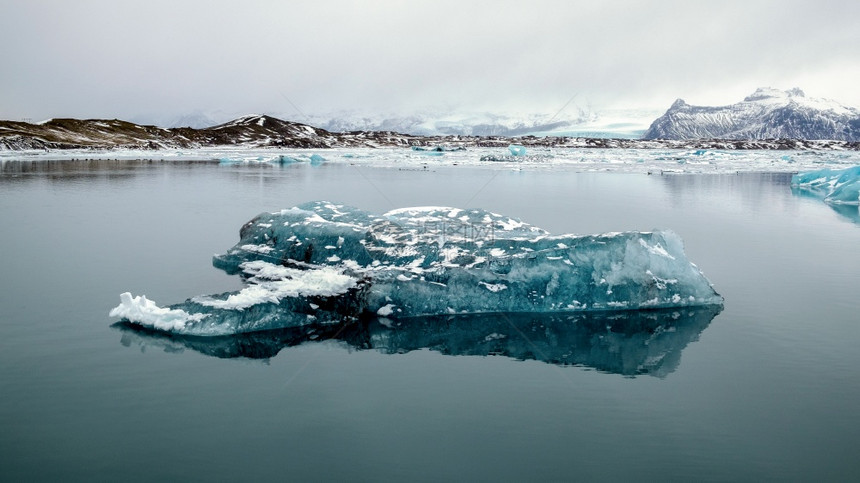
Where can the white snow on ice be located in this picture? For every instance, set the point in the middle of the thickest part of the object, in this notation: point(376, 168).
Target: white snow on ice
point(148, 314)
point(272, 282)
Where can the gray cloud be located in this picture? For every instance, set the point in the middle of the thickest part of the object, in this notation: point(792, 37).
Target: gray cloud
point(133, 59)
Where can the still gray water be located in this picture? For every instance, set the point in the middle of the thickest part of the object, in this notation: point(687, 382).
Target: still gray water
point(765, 389)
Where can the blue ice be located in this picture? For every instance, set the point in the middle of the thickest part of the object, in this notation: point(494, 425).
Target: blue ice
point(322, 262)
point(517, 150)
point(835, 186)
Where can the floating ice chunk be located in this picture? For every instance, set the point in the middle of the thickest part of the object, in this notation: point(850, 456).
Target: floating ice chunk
point(841, 186)
point(518, 155)
point(148, 314)
point(284, 160)
point(437, 149)
point(486, 263)
point(517, 150)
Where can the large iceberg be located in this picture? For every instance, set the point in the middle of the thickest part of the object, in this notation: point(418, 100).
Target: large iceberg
point(321, 263)
point(835, 186)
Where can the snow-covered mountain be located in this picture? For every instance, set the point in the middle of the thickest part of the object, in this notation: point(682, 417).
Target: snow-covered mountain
point(766, 114)
point(571, 121)
point(261, 130)
point(452, 123)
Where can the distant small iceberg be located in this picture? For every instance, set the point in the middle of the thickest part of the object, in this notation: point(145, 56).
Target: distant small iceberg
point(439, 150)
point(281, 159)
point(517, 150)
point(518, 154)
point(838, 187)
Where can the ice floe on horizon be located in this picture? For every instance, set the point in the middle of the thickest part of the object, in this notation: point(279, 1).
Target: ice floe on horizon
point(652, 160)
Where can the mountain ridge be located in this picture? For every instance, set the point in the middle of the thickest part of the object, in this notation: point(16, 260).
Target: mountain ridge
point(765, 114)
point(263, 131)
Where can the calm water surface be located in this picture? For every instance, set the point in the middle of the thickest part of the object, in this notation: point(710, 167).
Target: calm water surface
point(766, 389)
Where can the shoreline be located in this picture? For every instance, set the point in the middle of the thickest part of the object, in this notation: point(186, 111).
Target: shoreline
point(643, 161)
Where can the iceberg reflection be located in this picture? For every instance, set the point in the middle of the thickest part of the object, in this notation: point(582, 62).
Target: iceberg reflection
point(628, 343)
point(848, 212)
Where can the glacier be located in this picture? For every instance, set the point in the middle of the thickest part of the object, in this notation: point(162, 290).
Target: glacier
point(834, 186)
point(326, 263)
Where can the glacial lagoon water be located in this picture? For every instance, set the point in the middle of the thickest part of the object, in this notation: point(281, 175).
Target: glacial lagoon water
point(767, 388)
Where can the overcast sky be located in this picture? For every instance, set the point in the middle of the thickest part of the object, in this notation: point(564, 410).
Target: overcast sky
point(159, 60)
